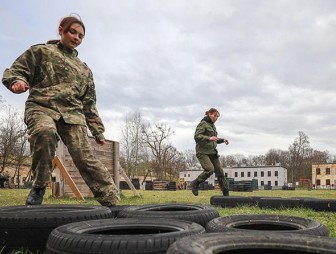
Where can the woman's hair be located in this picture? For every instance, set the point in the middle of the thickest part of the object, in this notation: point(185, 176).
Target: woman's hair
point(66, 23)
point(211, 111)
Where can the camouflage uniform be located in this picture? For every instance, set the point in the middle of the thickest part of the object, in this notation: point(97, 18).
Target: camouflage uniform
point(61, 103)
point(207, 154)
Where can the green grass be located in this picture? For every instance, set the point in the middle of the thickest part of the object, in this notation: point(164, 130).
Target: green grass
point(9, 197)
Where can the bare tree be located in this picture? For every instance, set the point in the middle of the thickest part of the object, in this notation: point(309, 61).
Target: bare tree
point(21, 152)
point(12, 131)
point(191, 160)
point(131, 144)
point(157, 140)
point(297, 153)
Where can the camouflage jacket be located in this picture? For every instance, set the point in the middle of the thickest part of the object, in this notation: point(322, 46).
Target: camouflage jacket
point(61, 85)
point(204, 130)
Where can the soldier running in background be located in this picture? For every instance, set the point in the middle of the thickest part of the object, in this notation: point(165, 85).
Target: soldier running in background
point(61, 105)
point(206, 152)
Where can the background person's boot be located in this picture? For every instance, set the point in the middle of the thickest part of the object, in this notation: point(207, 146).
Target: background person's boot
point(223, 184)
point(225, 192)
point(35, 196)
point(195, 186)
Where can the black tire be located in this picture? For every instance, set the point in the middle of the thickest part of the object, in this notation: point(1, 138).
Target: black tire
point(231, 201)
point(247, 243)
point(280, 203)
point(200, 214)
point(115, 210)
point(267, 223)
point(30, 226)
point(326, 205)
point(119, 236)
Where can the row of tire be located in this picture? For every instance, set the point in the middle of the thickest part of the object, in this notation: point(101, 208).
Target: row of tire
point(316, 204)
point(157, 228)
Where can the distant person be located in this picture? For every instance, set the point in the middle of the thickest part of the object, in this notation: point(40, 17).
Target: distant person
point(206, 152)
point(2, 180)
point(61, 105)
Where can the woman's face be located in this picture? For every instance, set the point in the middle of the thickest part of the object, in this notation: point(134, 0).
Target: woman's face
point(214, 116)
point(73, 38)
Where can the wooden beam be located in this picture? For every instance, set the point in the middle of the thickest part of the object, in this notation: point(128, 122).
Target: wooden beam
point(57, 163)
point(128, 181)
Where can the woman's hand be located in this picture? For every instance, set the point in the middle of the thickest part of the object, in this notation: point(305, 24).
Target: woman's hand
point(101, 142)
point(221, 140)
point(19, 87)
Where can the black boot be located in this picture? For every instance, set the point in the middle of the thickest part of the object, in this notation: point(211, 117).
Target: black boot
point(35, 196)
point(195, 186)
point(223, 184)
point(225, 192)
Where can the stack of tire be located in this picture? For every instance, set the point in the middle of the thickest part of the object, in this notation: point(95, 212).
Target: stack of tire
point(158, 228)
point(96, 229)
point(172, 186)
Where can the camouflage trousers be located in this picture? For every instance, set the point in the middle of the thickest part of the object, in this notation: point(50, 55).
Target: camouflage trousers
point(211, 164)
point(44, 134)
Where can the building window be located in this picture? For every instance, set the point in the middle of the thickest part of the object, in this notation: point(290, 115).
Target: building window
point(327, 181)
point(318, 171)
point(255, 174)
point(269, 183)
point(262, 183)
point(185, 175)
point(269, 173)
point(236, 174)
point(188, 175)
point(276, 173)
point(242, 174)
point(248, 174)
point(276, 183)
point(327, 171)
point(262, 173)
point(318, 182)
point(226, 175)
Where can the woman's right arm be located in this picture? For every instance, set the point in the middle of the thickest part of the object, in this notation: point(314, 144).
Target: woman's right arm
point(18, 76)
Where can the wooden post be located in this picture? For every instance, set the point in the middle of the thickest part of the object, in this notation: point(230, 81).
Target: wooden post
point(128, 181)
point(57, 163)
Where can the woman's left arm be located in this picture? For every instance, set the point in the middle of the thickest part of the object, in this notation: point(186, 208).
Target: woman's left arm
point(92, 117)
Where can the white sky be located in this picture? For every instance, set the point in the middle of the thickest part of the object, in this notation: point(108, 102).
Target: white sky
point(269, 67)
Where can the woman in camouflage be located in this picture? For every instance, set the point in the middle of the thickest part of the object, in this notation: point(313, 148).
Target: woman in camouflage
point(61, 105)
point(206, 152)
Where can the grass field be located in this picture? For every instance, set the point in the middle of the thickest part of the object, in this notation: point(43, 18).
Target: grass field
point(10, 197)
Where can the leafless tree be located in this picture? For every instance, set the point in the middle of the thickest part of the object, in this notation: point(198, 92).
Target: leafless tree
point(297, 153)
point(191, 160)
point(12, 132)
point(157, 140)
point(132, 145)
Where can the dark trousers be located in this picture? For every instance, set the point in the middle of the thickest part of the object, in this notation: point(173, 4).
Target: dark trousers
point(211, 164)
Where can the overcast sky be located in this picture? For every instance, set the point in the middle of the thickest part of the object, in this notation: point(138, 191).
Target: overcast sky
point(268, 66)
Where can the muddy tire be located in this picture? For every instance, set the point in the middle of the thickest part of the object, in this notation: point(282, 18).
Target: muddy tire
point(267, 223)
point(28, 227)
point(325, 205)
point(200, 214)
point(280, 203)
point(258, 242)
point(232, 201)
point(119, 236)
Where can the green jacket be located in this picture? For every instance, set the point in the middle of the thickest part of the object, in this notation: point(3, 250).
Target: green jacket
point(61, 85)
point(204, 130)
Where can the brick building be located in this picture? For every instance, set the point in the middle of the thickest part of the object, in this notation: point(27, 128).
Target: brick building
point(324, 176)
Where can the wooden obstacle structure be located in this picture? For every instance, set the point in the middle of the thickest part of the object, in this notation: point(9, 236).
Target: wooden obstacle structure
point(67, 181)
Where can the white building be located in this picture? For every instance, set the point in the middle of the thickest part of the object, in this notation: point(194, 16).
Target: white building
point(274, 176)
